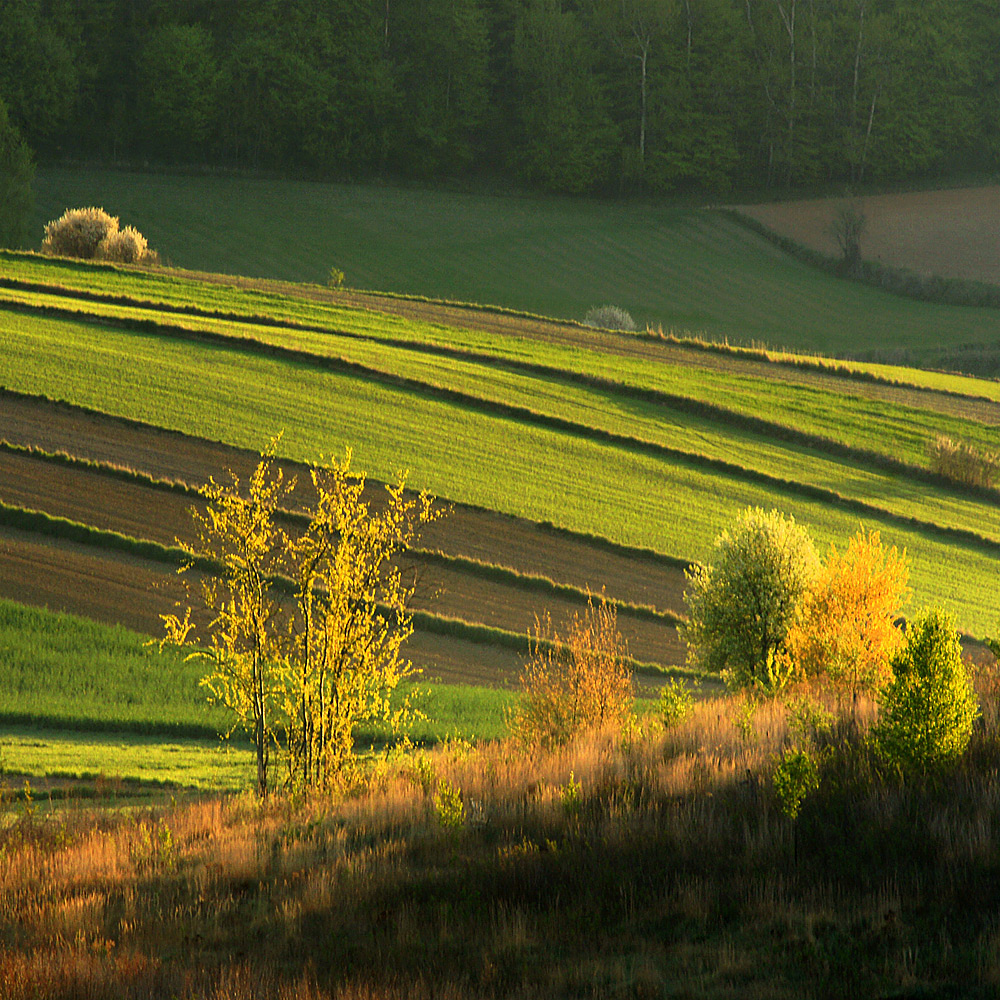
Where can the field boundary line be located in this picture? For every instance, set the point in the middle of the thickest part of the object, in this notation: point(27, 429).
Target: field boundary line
point(629, 551)
point(61, 528)
point(899, 281)
point(479, 568)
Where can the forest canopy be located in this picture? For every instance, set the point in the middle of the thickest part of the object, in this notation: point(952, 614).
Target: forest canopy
point(563, 95)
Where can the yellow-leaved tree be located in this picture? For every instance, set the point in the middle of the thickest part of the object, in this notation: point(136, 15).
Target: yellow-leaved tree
point(239, 623)
point(845, 629)
point(346, 651)
point(303, 631)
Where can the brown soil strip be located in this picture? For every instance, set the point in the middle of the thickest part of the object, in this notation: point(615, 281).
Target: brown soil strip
point(146, 512)
point(116, 588)
point(471, 532)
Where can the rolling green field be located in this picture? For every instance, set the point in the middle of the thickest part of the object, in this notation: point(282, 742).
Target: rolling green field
point(632, 440)
point(688, 270)
point(78, 698)
point(620, 489)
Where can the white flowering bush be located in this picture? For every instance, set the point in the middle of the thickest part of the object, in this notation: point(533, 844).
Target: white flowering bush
point(92, 234)
point(609, 318)
point(126, 246)
point(78, 232)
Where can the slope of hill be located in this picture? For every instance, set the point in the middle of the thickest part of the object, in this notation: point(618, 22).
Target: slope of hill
point(575, 459)
point(691, 270)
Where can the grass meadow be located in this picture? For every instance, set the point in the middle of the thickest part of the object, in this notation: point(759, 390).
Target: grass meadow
point(687, 269)
point(81, 698)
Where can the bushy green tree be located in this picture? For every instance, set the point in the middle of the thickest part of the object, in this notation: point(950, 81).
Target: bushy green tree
point(741, 606)
point(927, 711)
point(17, 171)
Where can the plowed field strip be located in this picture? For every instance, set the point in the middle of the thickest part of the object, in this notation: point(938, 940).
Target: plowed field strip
point(519, 544)
point(145, 512)
point(120, 589)
point(117, 588)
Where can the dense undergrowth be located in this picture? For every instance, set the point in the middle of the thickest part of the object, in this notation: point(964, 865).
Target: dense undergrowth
point(660, 864)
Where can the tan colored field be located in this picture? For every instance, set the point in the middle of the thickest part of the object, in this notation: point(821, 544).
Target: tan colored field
point(954, 234)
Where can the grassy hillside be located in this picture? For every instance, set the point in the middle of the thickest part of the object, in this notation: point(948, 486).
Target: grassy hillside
point(630, 439)
point(684, 269)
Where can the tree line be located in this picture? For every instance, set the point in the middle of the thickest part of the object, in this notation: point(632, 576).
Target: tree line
point(564, 95)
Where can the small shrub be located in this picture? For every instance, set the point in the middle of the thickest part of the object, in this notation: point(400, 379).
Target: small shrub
point(847, 228)
point(448, 805)
point(335, 279)
point(744, 720)
point(78, 232)
point(571, 795)
point(125, 246)
point(795, 778)
point(807, 719)
point(963, 463)
point(928, 709)
point(675, 704)
point(609, 318)
point(575, 682)
point(421, 771)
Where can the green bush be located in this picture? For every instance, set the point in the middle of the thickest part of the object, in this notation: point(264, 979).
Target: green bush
point(740, 608)
point(928, 709)
point(796, 776)
point(675, 703)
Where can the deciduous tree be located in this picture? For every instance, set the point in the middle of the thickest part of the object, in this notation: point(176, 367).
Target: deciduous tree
point(742, 605)
point(302, 631)
point(846, 628)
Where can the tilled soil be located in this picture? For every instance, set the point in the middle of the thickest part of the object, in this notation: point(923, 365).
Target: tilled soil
point(144, 511)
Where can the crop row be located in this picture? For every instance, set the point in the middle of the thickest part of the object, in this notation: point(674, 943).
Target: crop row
point(535, 472)
point(426, 321)
point(635, 420)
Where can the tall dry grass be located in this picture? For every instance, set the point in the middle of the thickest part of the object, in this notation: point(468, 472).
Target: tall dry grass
point(652, 864)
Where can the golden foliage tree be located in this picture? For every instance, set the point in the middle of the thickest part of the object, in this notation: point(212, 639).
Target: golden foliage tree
point(346, 652)
point(237, 605)
point(303, 635)
point(845, 629)
point(574, 682)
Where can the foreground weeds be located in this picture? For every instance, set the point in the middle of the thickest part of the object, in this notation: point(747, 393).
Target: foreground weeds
point(658, 864)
